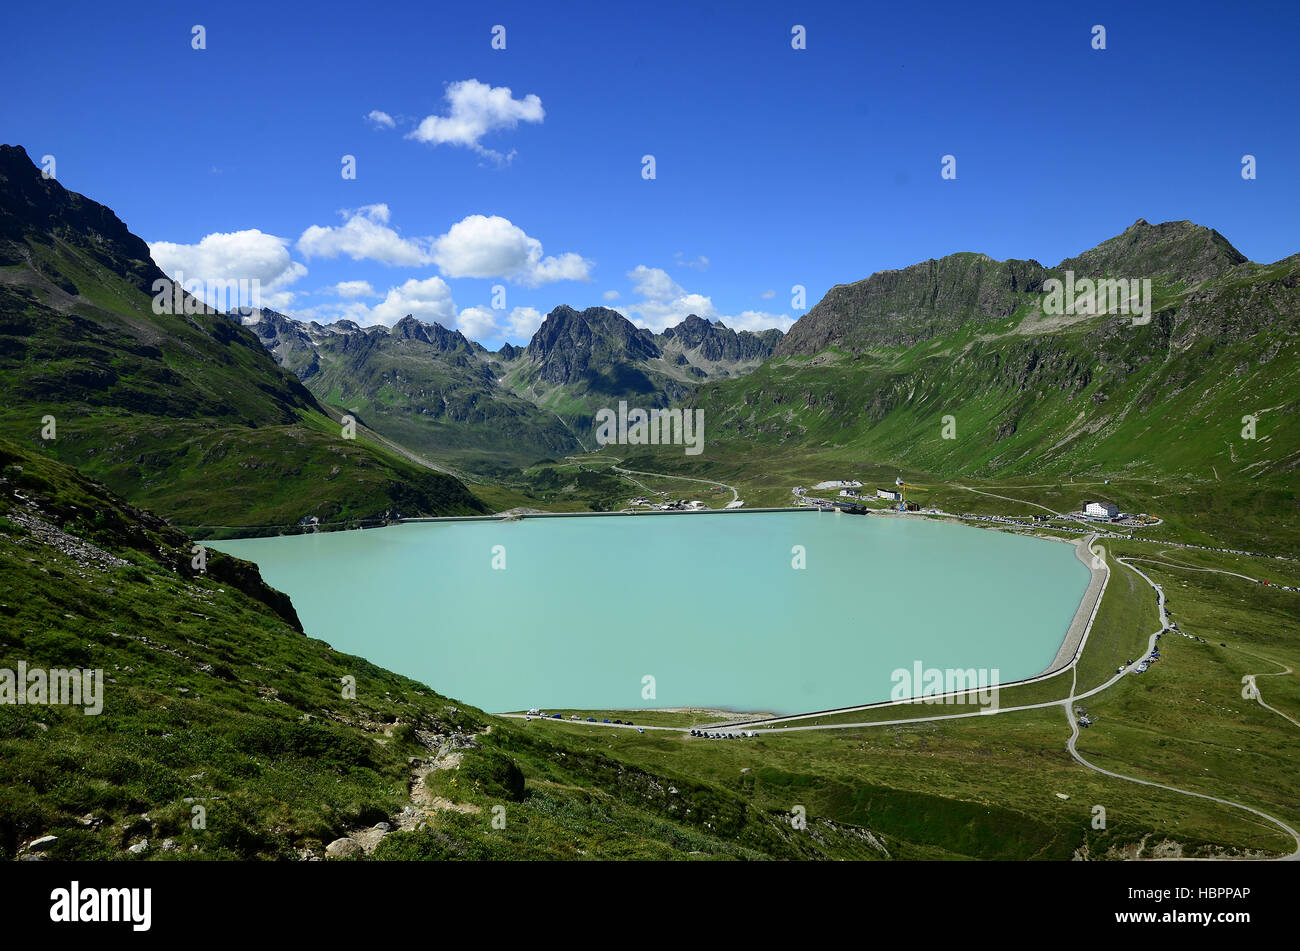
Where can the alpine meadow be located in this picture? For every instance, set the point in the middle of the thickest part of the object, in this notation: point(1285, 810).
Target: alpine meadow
point(656, 435)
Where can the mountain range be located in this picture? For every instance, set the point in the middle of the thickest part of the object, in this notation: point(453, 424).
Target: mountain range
point(876, 367)
point(453, 399)
point(954, 365)
point(127, 434)
point(958, 366)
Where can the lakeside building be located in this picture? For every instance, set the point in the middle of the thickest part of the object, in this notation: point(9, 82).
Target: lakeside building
point(851, 493)
point(1101, 509)
point(890, 494)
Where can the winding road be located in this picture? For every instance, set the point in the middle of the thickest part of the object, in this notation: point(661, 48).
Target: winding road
point(1074, 734)
point(1067, 705)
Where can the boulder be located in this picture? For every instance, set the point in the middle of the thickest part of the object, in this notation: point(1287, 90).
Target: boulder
point(342, 848)
point(41, 844)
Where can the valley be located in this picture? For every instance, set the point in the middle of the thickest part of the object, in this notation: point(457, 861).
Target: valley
point(953, 375)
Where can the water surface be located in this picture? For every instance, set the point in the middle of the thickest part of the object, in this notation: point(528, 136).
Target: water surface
point(708, 605)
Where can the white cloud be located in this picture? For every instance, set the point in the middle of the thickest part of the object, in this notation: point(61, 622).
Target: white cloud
point(477, 323)
point(611, 295)
point(351, 289)
point(757, 320)
point(654, 283)
point(380, 120)
point(479, 246)
point(364, 235)
point(275, 300)
point(523, 322)
point(475, 109)
point(249, 255)
point(428, 300)
point(767, 295)
point(665, 303)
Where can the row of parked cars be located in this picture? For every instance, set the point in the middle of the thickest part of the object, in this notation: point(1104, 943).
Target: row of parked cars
point(1146, 662)
point(708, 735)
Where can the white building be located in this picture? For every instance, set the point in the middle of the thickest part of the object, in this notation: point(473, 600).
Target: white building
point(1101, 509)
point(888, 494)
point(850, 493)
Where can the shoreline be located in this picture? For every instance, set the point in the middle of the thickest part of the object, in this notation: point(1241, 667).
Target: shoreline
point(1068, 653)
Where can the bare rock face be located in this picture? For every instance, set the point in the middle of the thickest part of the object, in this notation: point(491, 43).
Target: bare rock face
point(575, 347)
point(33, 204)
point(714, 342)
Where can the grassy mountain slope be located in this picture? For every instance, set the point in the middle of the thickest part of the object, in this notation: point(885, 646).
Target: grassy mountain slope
point(185, 412)
point(881, 364)
point(214, 698)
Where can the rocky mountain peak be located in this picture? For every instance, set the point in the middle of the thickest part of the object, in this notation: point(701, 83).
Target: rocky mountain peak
point(1171, 252)
point(35, 208)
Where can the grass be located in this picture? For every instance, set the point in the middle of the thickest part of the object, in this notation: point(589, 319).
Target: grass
point(264, 737)
point(944, 790)
point(214, 699)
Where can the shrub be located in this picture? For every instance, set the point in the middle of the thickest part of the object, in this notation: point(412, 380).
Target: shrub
point(495, 774)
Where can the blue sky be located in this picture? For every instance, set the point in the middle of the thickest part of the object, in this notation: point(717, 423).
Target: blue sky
point(774, 167)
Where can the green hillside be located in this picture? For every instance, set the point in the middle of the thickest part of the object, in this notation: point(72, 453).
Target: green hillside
point(214, 698)
point(1025, 393)
point(183, 412)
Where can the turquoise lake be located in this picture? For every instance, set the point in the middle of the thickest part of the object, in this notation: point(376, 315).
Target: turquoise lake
point(708, 605)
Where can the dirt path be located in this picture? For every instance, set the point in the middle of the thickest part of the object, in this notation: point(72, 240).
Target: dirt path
point(1259, 695)
point(1217, 571)
point(661, 475)
point(1007, 498)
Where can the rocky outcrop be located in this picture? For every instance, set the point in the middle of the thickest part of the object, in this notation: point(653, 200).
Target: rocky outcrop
point(901, 308)
point(697, 340)
point(574, 347)
point(31, 205)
